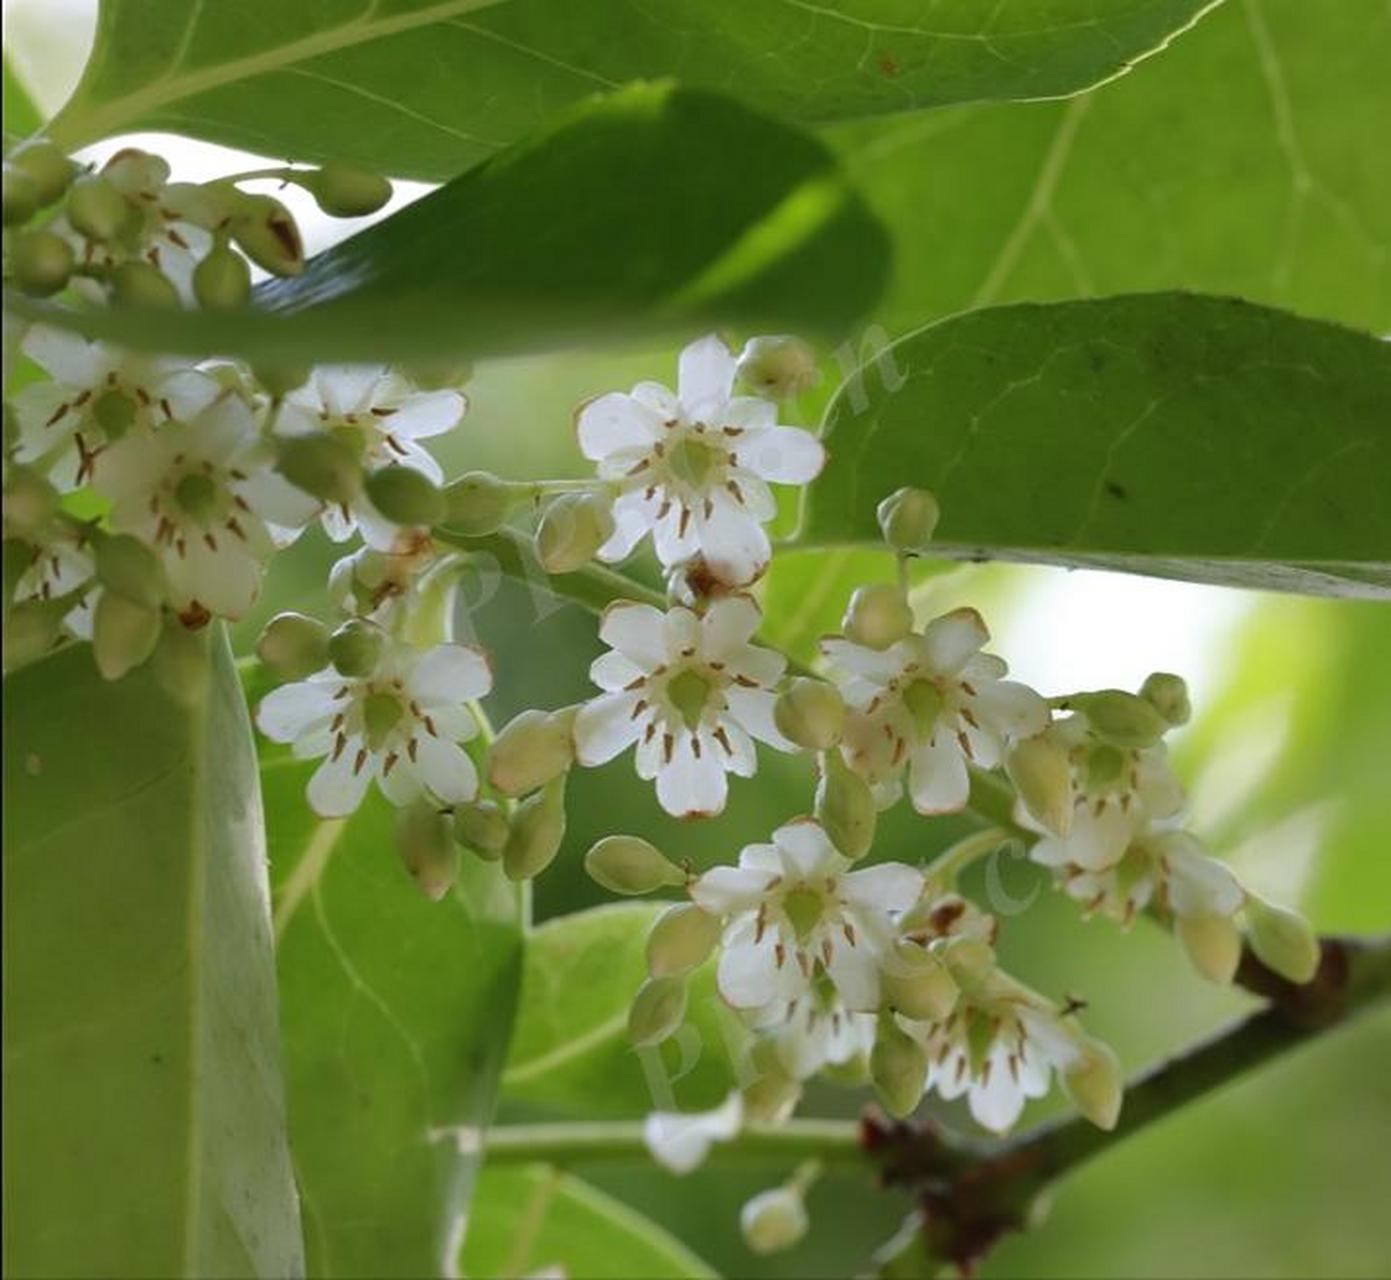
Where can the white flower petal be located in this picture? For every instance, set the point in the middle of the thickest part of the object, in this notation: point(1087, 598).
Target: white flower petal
point(65, 357)
point(632, 521)
point(734, 544)
point(680, 1142)
point(276, 500)
point(293, 709)
point(1009, 708)
point(446, 769)
point(347, 388)
point(606, 726)
point(225, 582)
point(807, 851)
point(451, 673)
point(424, 414)
point(889, 886)
point(749, 975)
point(336, 789)
point(1199, 885)
point(728, 625)
point(660, 399)
point(637, 631)
point(874, 665)
point(724, 891)
point(937, 777)
point(690, 786)
point(611, 671)
point(705, 377)
point(613, 422)
point(752, 710)
point(953, 639)
point(784, 455)
point(855, 971)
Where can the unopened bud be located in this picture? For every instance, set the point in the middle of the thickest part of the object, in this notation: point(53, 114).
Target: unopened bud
point(20, 196)
point(30, 501)
point(771, 1096)
point(908, 519)
point(1125, 720)
point(124, 634)
point(898, 1068)
point(128, 568)
point(345, 191)
point(538, 828)
point(96, 209)
point(322, 465)
point(1213, 944)
point(222, 280)
point(482, 826)
point(573, 527)
point(657, 1011)
point(41, 262)
point(265, 231)
point(774, 1220)
point(918, 984)
point(32, 628)
point(142, 284)
point(180, 661)
point(1041, 773)
point(810, 713)
point(293, 646)
point(280, 379)
point(477, 503)
point(47, 166)
point(1093, 1081)
point(877, 616)
point(629, 865)
point(1168, 694)
point(1282, 939)
point(844, 806)
point(405, 496)
point(356, 648)
point(438, 375)
point(681, 940)
point(426, 845)
point(533, 748)
point(779, 367)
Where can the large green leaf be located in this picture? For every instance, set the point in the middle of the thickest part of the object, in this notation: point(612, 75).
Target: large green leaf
point(144, 1118)
point(1182, 436)
point(396, 1014)
point(1249, 160)
point(655, 209)
point(531, 1220)
point(425, 88)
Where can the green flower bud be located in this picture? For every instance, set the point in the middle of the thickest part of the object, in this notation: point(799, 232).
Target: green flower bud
point(481, 826)
point(96, 209)
point(405, 496)
point(265, 230)
point(1093, 1081)
point(918, 984)
point(222, 280)
point(845, 807)
point(1042, 775)
point(658, 1010)
point(32, 629)
point(19, 196)
point(345, 191)
point(293, 646)
point(629, 865)
point(425, 842)
point(772, 1096)
point(180, 661)
point(47, 166)
point(908, 518)
point(41, 261)
point(129, 569)
point(681, 940)
point(124, 634)
point(877, 616)
point(533, 748)
point(774, 1220)
point(1282, 939)
point(280, 379)
point(1213, 944)
point(779, 367)
point(322, 465)
point(538, 828)
point(439, 375)
point(355, 648)
point(1168, 694)
point(477, 503)
point(30, 501)
point(969, 960)
point(898, 1068)
point(810, 713)
point(142, 284)
point(1123, 719)
point(573, 527)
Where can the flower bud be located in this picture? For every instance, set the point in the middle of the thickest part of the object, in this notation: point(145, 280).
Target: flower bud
point(355, 648)
point(898, 1068)
point(142, 284)
point(573, 527)
point(844, 806)
point(30, 501)
point(477, 503)
point(439, 375)
point(1042, 775)
point(681, 940)
point(810, 713)
point(908, 518)
point(538, 828)
point(1282, 939)
point(280, 379)
point(222, 280)
point(772, 1096)
point(629, 865)
point(322, 465)
point(124, 634)
point(405, 496)
point(533, 748)
point(41, 262)
point(1213, 944)
point(657, 1011)
point(482, 826)
point(917, 984)
point(293, 646)
point(180, 661)
point(47, 166)
point(1093, 1081)
point(1125, 720)
point(345, 191)
point(265, 231)
point(130, 569)
point(32, 628)
point(1168, 694)
point(877, 616)
point(19, 196)
point(774, 1220)
point(96, 209)
point(779, 367)
point(426, 845)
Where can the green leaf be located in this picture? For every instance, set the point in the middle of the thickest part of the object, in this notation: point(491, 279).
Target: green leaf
point(22, 117)
point(396, 1014)
point(598, 227)
point(425, 89)
point(570, 1050)
point(534, 1219)
point(144, 1128)
point(1246, 160)
point(1180, 436)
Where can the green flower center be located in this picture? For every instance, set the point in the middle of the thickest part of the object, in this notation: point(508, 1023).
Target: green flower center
point(196, 494)
point(689, 691)
point(804, 909)
point(924, 702)
point(356, 437)
point(381, 713)
point(114, 412)
point(693, 461)
point(1105, 768)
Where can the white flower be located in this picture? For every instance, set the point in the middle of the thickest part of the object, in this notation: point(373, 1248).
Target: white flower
point(931, 702)
point(59, 563)
point(691, 692)
point(203, 493)
point(680, 1141)
point(692, 469)
point(795, 909)
point(97, 395)
point(401, 726)
point(817, 1030)
point(380, 416)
